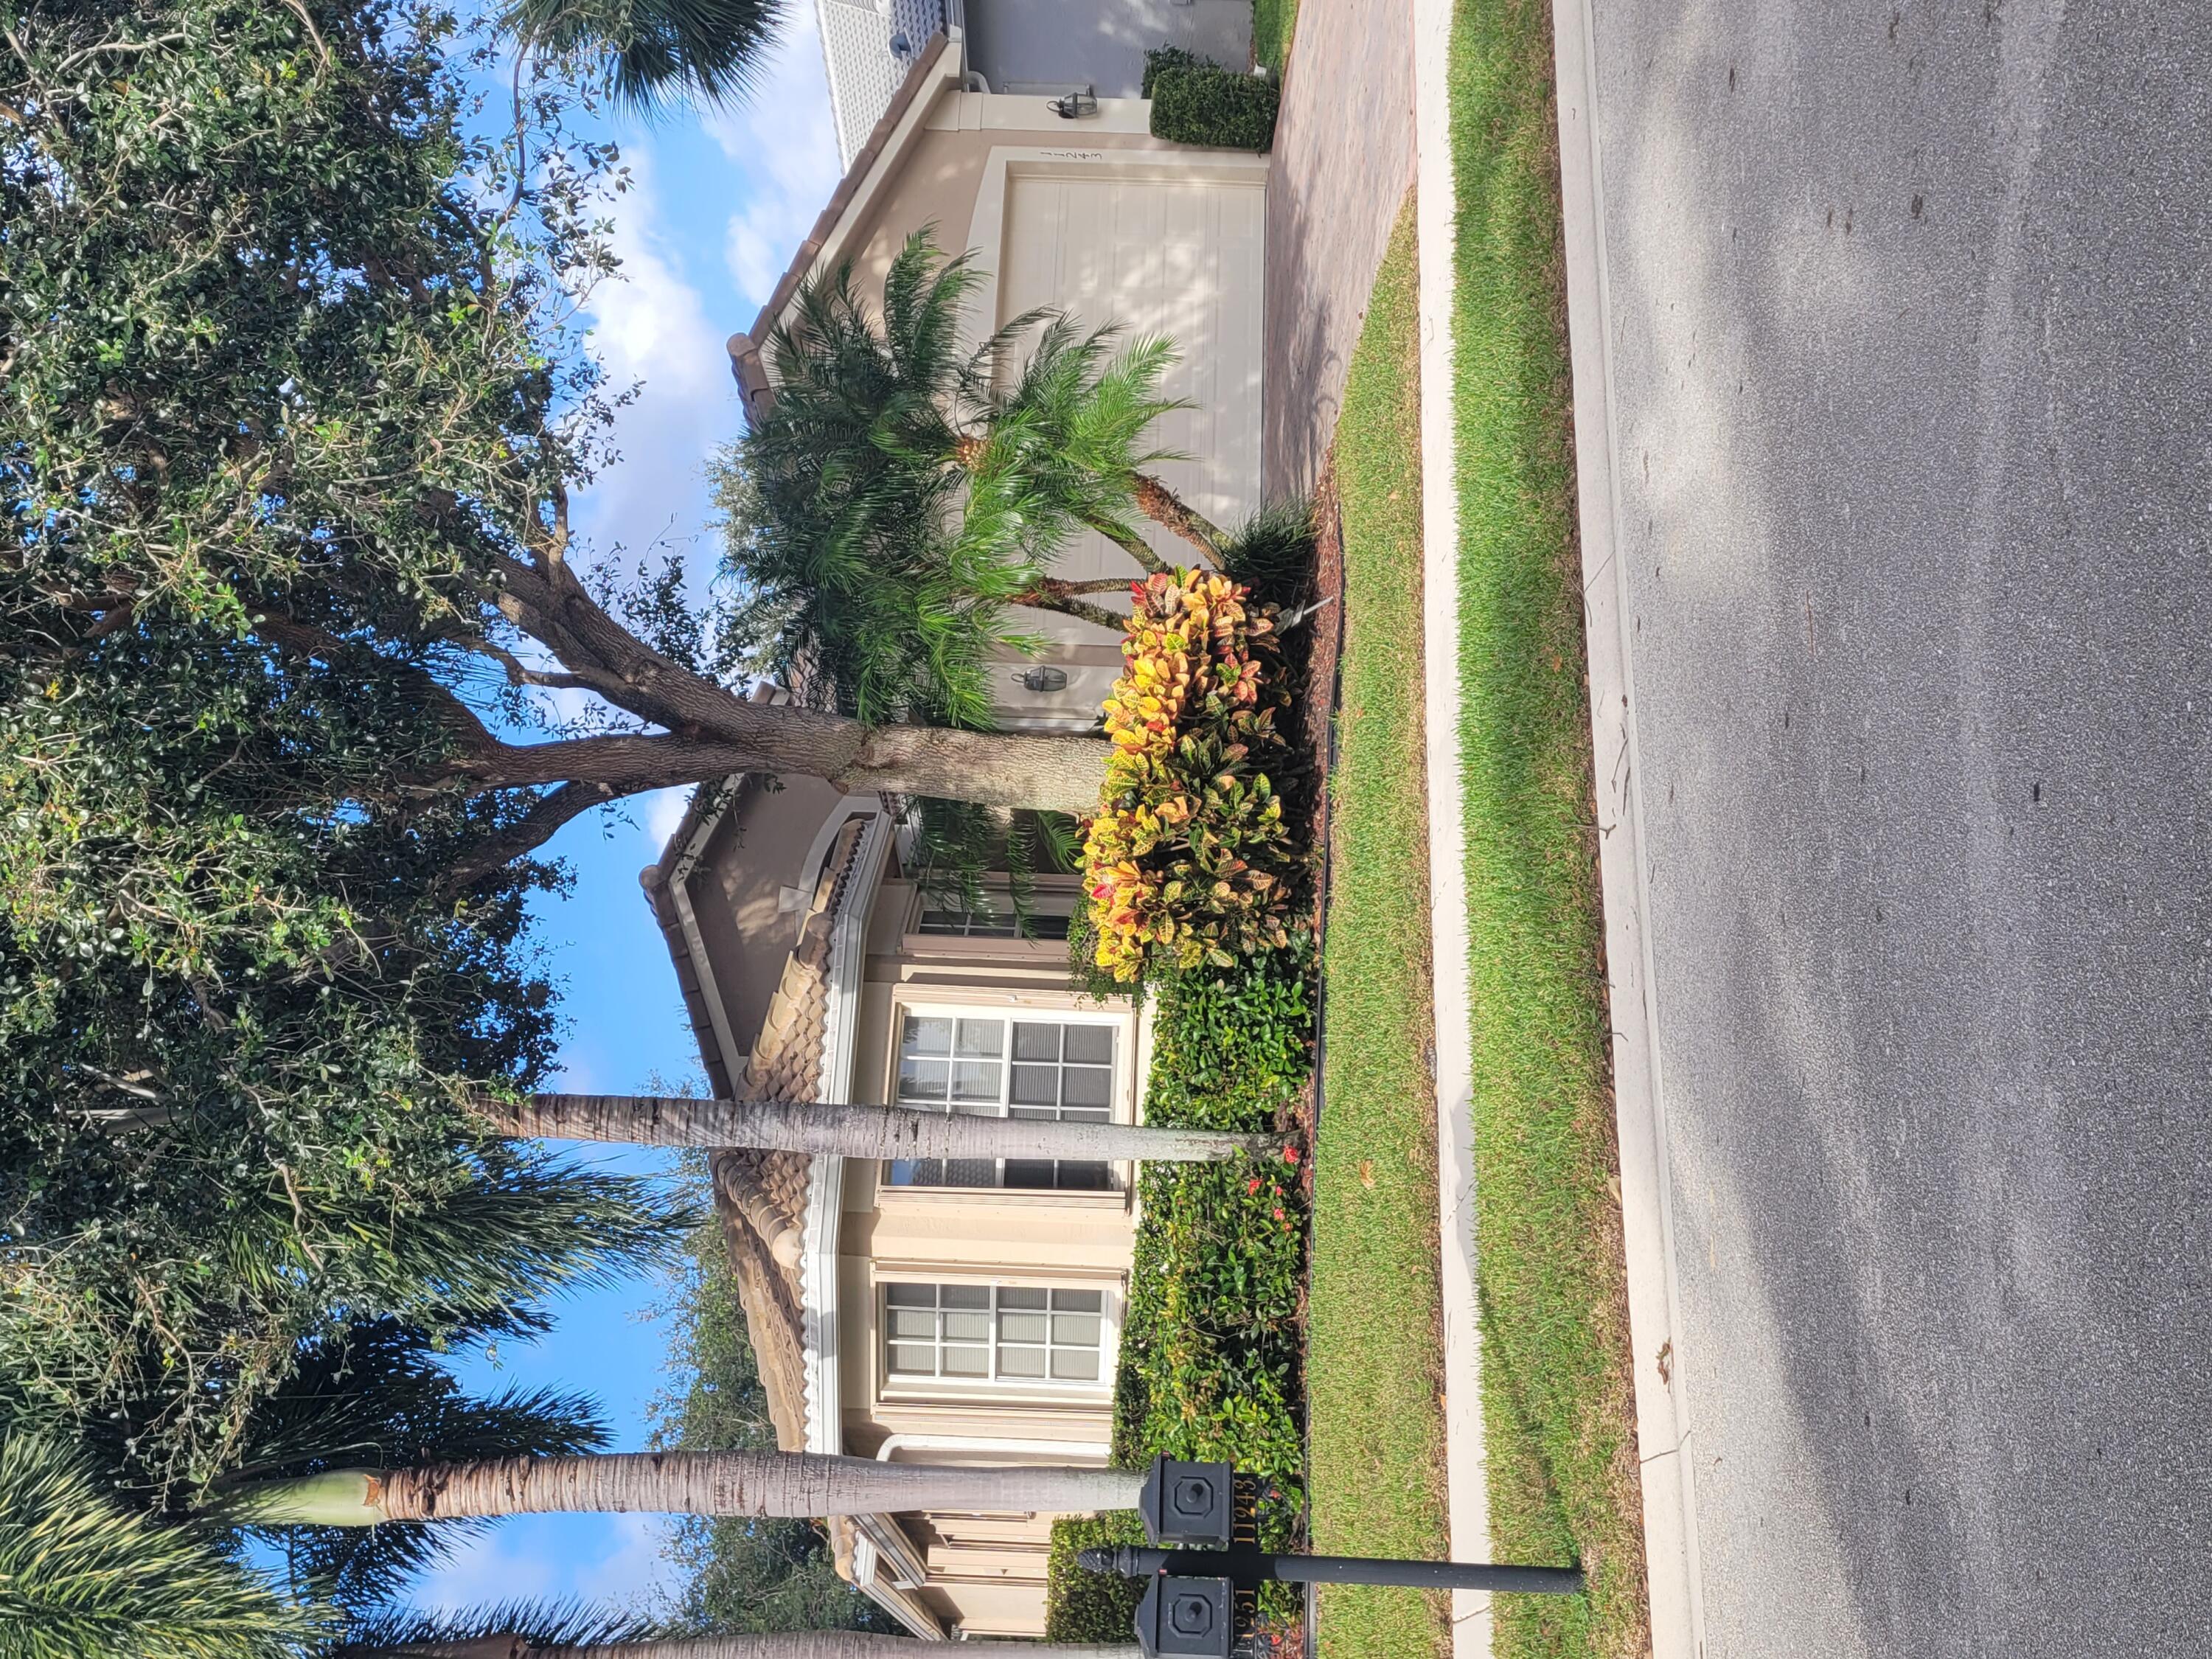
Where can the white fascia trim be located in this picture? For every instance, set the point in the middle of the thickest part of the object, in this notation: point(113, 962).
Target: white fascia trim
point(825, 1176)
point(892, 1548)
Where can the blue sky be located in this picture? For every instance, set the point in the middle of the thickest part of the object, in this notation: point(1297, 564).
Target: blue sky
point(718, 204)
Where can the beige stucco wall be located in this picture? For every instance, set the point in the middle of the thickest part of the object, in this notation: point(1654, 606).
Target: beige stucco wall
point(987, 1572)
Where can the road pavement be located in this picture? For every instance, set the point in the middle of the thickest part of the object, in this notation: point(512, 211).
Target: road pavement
point(1910, 312)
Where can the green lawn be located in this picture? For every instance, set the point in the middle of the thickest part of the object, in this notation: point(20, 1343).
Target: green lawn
point(1375, 1428)
point(1270, 32)
point(1556, 1386)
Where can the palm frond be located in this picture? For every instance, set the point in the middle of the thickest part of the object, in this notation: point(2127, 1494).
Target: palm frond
point(653, 53)
point(559, 1625)
point(81, 1577)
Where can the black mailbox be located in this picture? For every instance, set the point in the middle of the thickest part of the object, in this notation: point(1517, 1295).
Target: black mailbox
point(1187, 1618)
point(1189, 1505)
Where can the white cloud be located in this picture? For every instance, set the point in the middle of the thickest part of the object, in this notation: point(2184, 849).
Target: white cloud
point(663, 813)
point(634, 1573)
point(650, 328)
point(782, 141)
point(602, 1560)
point(484, 1571)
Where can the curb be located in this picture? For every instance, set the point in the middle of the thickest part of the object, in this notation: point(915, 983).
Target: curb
point(1663, 1428)
point(1466, 1469)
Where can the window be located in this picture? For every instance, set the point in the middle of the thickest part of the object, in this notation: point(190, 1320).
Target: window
point(996, 1066)
point(989, 1333)
point(991, 924)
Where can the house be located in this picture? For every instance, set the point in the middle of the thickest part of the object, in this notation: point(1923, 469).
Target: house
point(1094, 217)
point(1034, 48)
point(957, 1313)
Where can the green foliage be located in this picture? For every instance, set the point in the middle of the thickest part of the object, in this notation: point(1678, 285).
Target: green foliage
point(1272, 553)
point(901, 494)
point(82, 1578)
point(1214, 107)
point(1171, 58)
point(741, 1575)
point(380, 1394)
point(1189, 858)
point(1210, 1363)
point(1085, 1607)
point(654, 52)
point(386, 1632)
point(1211, 1359)
point(289, 392)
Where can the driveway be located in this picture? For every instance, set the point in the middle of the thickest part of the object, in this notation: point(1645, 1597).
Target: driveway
point(1343, 161)
point(1911, 321)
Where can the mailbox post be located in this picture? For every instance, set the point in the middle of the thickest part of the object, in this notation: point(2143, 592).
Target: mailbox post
point(1207, 1567)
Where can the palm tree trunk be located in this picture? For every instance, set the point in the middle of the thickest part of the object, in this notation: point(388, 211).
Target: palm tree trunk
point(791, 1485)
point(1132, 544)
point(1164, 507)
point(1051, 594)
point(782, 1644)
point(865, 1132)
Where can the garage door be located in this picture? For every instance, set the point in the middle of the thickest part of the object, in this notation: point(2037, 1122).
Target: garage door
point(1181, 259)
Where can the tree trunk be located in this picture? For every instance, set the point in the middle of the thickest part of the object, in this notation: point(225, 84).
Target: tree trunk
point(1058, 772)
point(869, 1132)
point(791, 1485)
point(782, 1644)
point(1164, 507)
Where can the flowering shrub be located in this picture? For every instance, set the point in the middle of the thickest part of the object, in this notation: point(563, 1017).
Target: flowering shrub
point(1188, 861)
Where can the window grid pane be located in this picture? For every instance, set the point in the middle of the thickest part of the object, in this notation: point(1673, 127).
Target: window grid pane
point(981, 1334)
point(1020, 1068)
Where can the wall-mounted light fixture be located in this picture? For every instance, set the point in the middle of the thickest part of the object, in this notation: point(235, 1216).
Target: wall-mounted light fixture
point(1044, 677)
point(1075, 107)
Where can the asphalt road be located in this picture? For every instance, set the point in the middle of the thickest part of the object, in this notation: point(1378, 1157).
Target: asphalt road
point(1910, 322)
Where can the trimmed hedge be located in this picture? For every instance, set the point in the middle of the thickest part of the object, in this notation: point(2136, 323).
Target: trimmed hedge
point(1212, 1364)
point(1091, 1606)
point(1215, 107)
point(1171, 58)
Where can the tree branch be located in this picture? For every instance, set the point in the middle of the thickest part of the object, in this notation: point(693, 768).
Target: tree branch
point(529, 833)
point(307, 640)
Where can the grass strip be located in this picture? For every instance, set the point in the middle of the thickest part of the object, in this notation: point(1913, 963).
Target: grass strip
point(1373, 1358)
point(1271, 22)
point(1558, 1409)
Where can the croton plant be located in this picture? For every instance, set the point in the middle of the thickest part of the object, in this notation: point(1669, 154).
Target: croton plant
point(1189, 859)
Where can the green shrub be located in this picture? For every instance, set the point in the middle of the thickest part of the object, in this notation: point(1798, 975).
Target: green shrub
point(1080, 1606)
point(1215, 107)
point(1171, 58)
point(1211, 1363)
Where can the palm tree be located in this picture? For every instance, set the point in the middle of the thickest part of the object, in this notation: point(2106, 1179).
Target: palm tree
point(862, 1132)
point(899, 494)
point(82, 1577)
point(792, 1485)
point(652, 50)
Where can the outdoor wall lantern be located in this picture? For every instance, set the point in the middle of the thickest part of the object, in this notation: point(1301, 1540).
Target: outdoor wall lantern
point(1075, 107)
point(1204, 1595)
point(1044, 677)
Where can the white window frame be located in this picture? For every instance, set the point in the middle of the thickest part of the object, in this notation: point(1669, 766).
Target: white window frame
point(895, 1385)
point(1008, 1016)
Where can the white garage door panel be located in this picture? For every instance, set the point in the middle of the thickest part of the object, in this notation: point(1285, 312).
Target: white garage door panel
point(1156, 257)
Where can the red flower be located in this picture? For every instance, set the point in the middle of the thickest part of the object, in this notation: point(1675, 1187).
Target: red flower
point(1290, 1154)
point(1279, 1215)
point(1253, 1185)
